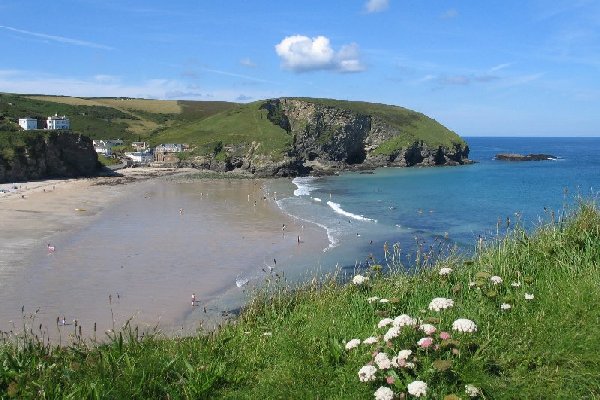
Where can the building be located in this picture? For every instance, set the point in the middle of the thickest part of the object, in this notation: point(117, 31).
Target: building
point(139, 146)
point(140, 157)
point(28, 123)
point(169, 148)
point(103, 147)
point(55, 122)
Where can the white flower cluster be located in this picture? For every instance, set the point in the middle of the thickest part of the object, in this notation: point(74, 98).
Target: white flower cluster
point(428, 329)
point(464, 325)
point(515, 284)
point(529, 296)
point(352, 344)
point(417, 388)
point(496, 280)
point(370, 340)
point(359, 279)
point(505, 306)
point(367, 373)
point(384, 393)
point(385, 322)
point(372, 299)
point(393, 332)
point(440, 303)
point(472, 390)
point(383, 361)
point(404, 320)
point(445, 271)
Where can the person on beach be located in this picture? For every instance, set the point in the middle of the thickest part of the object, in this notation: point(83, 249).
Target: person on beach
point(181, 211)
point(63, 321)
point(193, 299)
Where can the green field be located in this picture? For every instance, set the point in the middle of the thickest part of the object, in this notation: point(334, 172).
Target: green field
point(292, 343)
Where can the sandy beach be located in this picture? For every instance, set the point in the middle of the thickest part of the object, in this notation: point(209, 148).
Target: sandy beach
point(136, 247)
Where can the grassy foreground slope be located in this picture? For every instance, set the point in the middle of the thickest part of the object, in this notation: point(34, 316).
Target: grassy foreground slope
point(292, 344)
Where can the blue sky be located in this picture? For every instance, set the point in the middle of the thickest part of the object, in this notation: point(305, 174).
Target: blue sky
point(482, 68)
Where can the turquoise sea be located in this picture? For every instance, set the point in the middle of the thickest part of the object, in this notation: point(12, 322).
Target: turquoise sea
point(445, 206)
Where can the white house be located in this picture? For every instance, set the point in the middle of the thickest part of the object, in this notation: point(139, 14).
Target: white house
point(55, 122)
point(139, 145)
point(169, 148)
point(140, 157)
point(28, 123)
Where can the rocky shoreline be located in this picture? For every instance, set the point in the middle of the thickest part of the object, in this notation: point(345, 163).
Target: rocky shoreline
point(522, 157)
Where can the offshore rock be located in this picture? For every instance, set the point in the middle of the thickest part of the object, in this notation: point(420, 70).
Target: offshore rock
point(521, 157)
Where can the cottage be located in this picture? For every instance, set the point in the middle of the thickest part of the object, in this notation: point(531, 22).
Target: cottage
point(140, 157)
point(55, 122)
point(28, 123)
point(169, 148)
point(139, 146)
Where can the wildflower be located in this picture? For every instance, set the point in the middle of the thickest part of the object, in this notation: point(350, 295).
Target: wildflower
point(496, 280)
point(529, 296)
point(505, 306)
point(383, 361)
point(367, 373)
point(359, 279)
point(370, 340)
point(352, 344)
point(384, 301)
point(440, 303)
point(425, 342)
point(472, 390)
point(471, 284)
point(372, 299)
point(428, 329)
point(384, 393)
point(464, 325)
point(393, 332)
point(444, 335)
point(445, 271)
point(384, 322)
point(390, 380)
point(404, 320)
point(404, 354)
point(515, 284)
point(410, 365)
point(417, 388)
point(268, 334)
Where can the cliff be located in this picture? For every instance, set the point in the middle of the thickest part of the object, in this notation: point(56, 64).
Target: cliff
point(40, 155)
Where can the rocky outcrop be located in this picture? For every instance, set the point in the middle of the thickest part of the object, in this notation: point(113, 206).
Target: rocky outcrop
point(522, 157)
point(49, 155)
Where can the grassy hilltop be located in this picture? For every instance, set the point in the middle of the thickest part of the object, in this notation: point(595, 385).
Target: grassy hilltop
point(533, 333)
point(207, 126)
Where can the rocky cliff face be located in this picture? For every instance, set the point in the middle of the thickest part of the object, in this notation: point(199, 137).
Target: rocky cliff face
point(328, 138)
point(57, 154)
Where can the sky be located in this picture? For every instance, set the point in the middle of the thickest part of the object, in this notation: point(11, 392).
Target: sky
point(481, 68)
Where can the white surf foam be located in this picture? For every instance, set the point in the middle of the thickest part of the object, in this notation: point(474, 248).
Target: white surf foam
point(304, 186)
point(338, 209)
point(318, 200)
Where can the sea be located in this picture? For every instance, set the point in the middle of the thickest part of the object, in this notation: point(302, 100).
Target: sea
point(444, 209)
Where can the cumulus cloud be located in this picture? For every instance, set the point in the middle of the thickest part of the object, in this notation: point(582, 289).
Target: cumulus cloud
point(374, 6)
point(300, 53)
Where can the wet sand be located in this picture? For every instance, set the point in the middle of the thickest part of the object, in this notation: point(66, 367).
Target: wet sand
point(128, 252)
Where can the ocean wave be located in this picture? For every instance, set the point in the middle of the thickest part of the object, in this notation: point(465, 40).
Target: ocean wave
point(318, 200)
point(338, 209)
point(303, 185)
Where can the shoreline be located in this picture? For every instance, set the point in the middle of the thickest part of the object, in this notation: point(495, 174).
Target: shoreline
point(66, 212)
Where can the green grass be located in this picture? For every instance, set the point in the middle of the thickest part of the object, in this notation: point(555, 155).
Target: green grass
point(289, 343)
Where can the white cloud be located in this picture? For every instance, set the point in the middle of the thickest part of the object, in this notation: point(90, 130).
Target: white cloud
point(247, 62)
point(374, 6)
point(60, 39)
point(449, 14)
point(301, 54)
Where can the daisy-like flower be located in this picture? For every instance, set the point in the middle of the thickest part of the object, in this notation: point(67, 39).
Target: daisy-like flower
point(352, 344)
point(464, 325)
point(505, 306)
point(384, 301)
point(370, 340)
point(385, 322)
point(359, 279)
point(496, 280)
point(393, 332)
point(404, 320)
point(515, 284)
point(383, 361)
point(372, 299)
point(427, 328)
point(440, 303)
point(445, 271)
point(425, 342)
point(529, 296)
point(472, 390)
point(384, 393)
point(367, 373)
point(417, 388)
